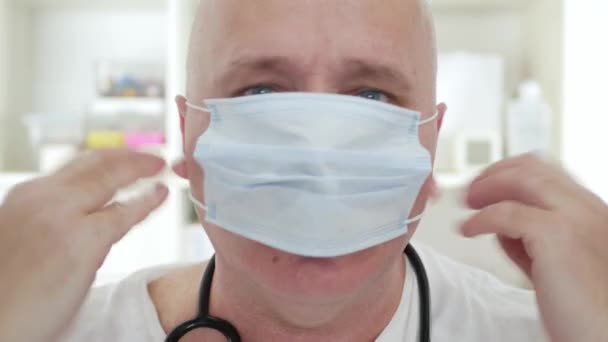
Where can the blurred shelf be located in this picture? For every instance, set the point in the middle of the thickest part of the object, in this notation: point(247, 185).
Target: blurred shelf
point(128, 4)
point(88, 4)
point(479, 4)
point(116, 105)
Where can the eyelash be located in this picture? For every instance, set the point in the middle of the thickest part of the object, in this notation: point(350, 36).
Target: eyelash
point(390, 97)
point(244, 90)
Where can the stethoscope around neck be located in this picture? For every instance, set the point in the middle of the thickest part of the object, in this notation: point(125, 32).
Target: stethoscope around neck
point(204, 320)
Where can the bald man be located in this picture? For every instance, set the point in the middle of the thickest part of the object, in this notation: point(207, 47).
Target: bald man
point(380, 57)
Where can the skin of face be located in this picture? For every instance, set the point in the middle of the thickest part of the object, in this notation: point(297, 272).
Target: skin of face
point(340, 46)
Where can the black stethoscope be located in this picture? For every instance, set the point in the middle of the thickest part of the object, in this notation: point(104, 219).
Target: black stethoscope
point(205, 321)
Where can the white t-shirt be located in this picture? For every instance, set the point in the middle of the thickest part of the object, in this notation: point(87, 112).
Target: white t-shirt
point(466, 305)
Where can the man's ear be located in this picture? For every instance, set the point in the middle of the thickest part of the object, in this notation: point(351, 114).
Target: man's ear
point(182, 109)
point(434, 190)
point(442, 109)
point(179, 167)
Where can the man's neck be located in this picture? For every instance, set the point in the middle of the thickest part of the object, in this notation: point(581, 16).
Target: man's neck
point(260, 316)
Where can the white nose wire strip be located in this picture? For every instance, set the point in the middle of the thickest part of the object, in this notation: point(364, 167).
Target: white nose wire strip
point(420, 123)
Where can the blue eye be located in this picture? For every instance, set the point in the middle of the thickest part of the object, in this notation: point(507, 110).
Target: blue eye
point(374, 95)
point(259, 90)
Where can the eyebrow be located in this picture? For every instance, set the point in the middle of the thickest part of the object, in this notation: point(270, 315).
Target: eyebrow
point(268, 64)
point(359, 69)
point(351, 69)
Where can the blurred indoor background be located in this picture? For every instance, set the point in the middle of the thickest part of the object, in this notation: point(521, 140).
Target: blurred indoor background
point(517, 75)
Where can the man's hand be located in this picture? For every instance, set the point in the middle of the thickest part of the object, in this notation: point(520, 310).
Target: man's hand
point(557, 232)
point(55, 232)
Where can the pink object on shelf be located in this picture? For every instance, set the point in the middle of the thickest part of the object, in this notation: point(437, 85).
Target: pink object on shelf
point(142, 139)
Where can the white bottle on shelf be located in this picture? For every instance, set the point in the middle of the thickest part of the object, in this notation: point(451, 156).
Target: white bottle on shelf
point(529, 122)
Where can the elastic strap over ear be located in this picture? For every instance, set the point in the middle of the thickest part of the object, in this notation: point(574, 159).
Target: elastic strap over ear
point(432, 118)
point(202, 109)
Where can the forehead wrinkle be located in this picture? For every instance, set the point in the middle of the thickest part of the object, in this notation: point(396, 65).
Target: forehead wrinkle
point(261, 63)
point(355, 68)
point(203, 36)
point(246, 65)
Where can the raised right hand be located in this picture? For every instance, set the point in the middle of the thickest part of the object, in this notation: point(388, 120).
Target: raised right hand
point(56, 231)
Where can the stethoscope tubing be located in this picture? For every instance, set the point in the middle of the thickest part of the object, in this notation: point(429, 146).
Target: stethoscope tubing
point(205, 321)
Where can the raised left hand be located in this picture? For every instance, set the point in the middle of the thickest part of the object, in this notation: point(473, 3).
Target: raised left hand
point(556, 231)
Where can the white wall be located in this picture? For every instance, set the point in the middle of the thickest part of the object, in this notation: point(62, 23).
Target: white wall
point(585, 118)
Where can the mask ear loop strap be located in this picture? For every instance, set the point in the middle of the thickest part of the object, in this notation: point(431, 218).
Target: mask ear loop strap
point(420, 123)
point(432, 118)
point(202, 109)
point(414, 219)
point(196, 202)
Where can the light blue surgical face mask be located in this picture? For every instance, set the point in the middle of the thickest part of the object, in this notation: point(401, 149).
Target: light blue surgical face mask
point(316, 175)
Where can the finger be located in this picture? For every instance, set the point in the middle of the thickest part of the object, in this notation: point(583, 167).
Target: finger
point(510, 219)
point(94, 179)
point(542, 188)
point(515, 221)
point(517, 253)
point(28, 193)
point(502, 185)
point(505, 164)
point(180, 168)
point(113, 222)
point(533, 181)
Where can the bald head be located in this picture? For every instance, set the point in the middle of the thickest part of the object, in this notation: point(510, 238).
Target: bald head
point(313, 45)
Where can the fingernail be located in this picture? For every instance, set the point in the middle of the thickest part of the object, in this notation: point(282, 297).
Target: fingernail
point(459, 228)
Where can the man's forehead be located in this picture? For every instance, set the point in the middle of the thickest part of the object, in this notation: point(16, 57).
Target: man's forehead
point(226, 31)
